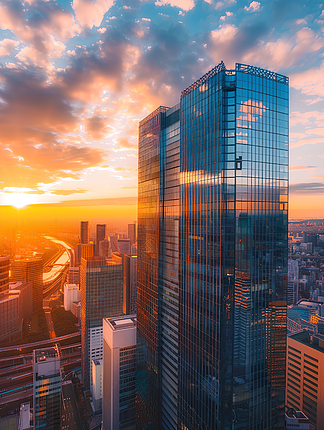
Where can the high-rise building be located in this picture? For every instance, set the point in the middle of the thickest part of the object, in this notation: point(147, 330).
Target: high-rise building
point(25, 292)
point(86, 251)
point(305, 373)
point(100, 235)
point(71, 294)
point(129, 284)
point(119, 370)
point(132, 233)
point(212, 255)
point(101, 296)
point(293, 276)
point(124, 246)
point(47, 388)
point(105, 249)
point(30, 270)
point(4, 273)
point(96, 386)
point(10, 316)
point(84, 239)
point(73, 275)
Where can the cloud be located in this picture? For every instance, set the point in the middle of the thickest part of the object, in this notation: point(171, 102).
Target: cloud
point(307, 188)
point(32, 115)
point(254, 7)
point(123, 143)
point(286, 52)
point(96, 202)
point(90, 13)
point(309, 81)
point(222, 4)
point(231, 43)
point(162, 71)
point(8, 46)
point(181, 4)
point(41, 26)
point(97, 128)
point(98, 67)
point(68, 192)
point(301, 167)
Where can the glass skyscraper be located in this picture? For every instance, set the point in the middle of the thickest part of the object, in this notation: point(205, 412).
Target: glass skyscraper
point(212, 255)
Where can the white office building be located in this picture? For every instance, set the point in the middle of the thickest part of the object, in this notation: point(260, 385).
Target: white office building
point(119, 370)
point(71, 294)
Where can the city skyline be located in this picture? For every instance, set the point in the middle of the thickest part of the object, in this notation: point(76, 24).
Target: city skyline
point(76, 79)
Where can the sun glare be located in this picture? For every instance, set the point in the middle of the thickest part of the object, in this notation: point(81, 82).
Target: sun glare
point(19, 200)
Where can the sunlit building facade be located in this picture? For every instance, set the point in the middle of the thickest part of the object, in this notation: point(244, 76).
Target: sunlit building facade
point(4, 273)
point(212, 255)
point(30, 270)
point(101, 296)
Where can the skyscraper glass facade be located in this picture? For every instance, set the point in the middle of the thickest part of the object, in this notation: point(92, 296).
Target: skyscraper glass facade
point(228, 329)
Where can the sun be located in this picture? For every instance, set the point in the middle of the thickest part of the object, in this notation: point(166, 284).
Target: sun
point(18, 200)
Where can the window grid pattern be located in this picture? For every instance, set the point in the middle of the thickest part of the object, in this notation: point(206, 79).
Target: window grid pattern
point(169, 267)
point(148, 399)
point(234, 187)
point(127, 384)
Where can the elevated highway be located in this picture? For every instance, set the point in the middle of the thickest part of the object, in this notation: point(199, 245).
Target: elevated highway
point(54, 278)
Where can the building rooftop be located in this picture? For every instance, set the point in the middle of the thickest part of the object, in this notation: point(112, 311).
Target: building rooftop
point(72, 286)
point(41, 355)
point(121, 323)
point(315, 341)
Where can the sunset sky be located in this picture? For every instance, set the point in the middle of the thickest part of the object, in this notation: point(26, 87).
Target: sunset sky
point(76, 78)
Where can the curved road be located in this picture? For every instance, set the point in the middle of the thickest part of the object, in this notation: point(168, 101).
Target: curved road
point(60, 263)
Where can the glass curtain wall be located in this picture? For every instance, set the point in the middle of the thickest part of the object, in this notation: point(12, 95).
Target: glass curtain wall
point(233, 250)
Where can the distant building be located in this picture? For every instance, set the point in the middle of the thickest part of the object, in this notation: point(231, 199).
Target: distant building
point(71, 294)
point(119, 370)
point(96, 387)
point(132, 233)
point(30, 270)
point(101, 296)
point(10, 317)
point(73, 275)
point(4, 273)
point(85, 251)
point(305, 375)
point(129, 284)
point(124, 246)
point(25, 290)
point(113, 242)
point(76, 309)
point(105, 249)
point(292, 285)
point(100, 235)
point(47, 388)
point(84, 239)
point(134, 249)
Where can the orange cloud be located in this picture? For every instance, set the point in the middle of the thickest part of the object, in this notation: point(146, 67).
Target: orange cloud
point(91, 12)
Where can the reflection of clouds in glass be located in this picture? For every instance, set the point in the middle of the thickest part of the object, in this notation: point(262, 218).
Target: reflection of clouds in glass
point(251, 110)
